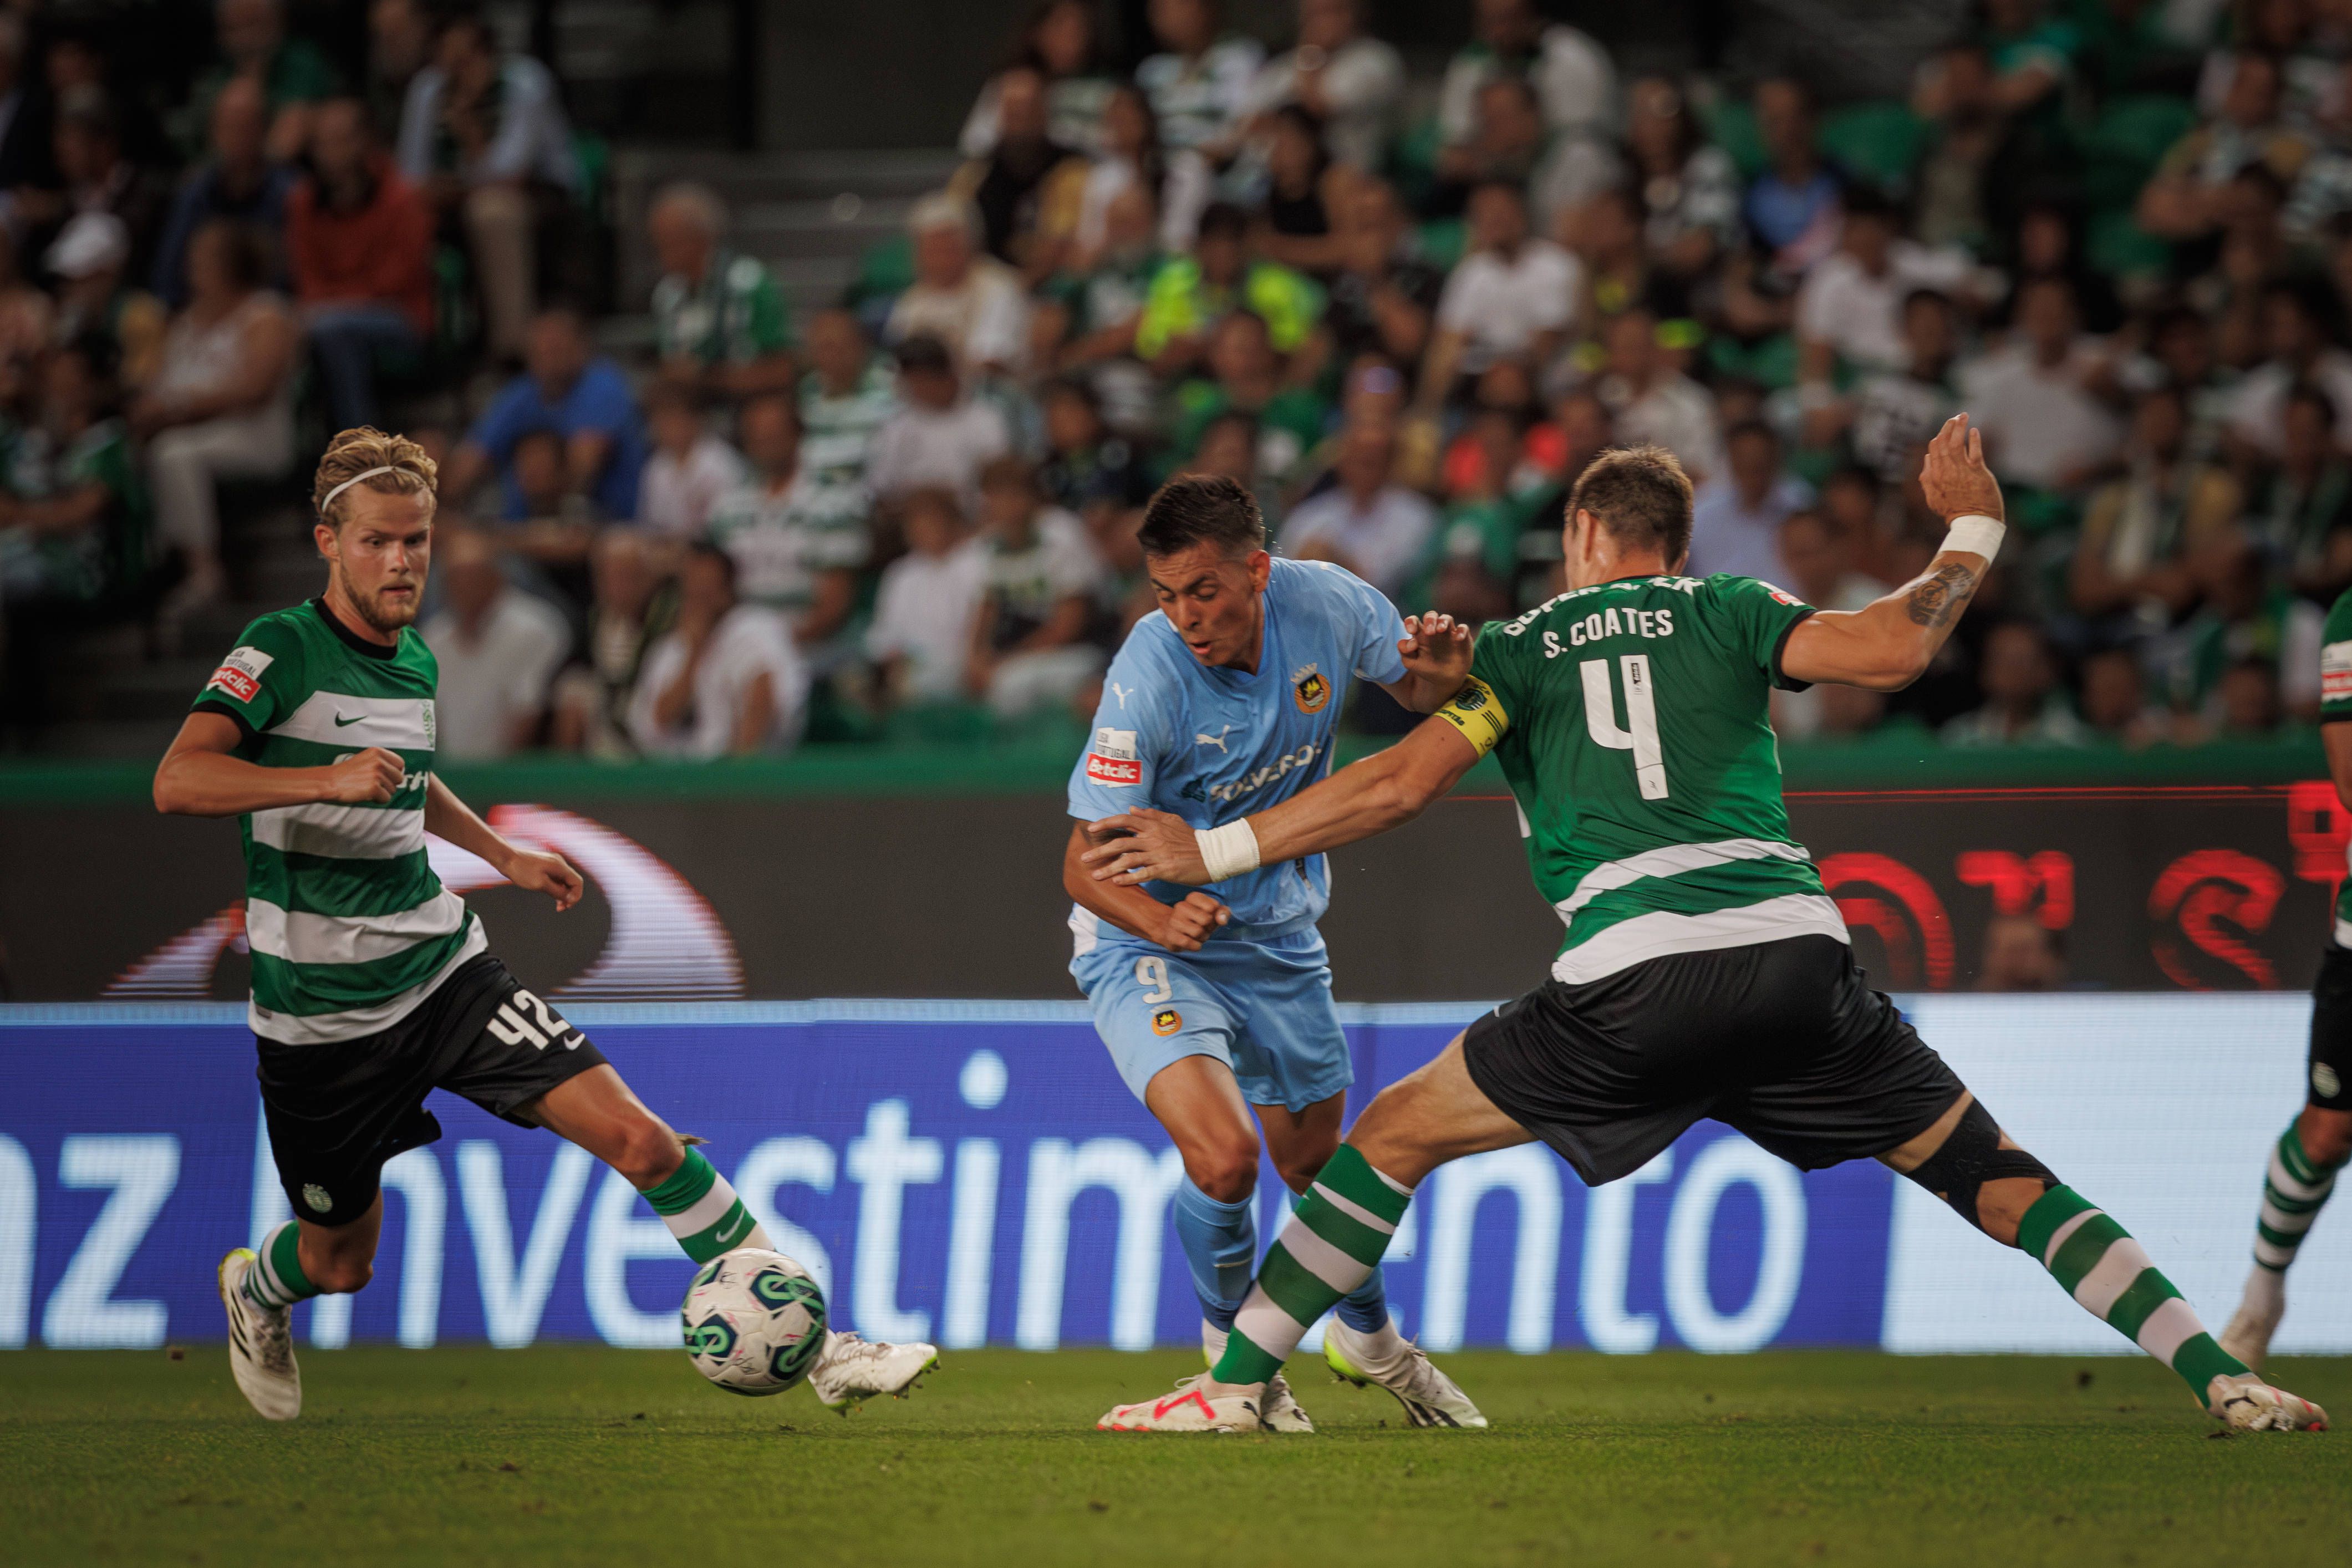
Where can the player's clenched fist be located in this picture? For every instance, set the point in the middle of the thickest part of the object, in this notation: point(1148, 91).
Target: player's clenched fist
point(373, 774)
point(1191, 922)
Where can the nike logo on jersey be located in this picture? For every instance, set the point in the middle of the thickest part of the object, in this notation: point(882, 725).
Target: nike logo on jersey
point(340, 720)
point(1217, 739)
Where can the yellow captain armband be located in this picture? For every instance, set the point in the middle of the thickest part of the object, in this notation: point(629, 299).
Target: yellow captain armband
point(1478, 713)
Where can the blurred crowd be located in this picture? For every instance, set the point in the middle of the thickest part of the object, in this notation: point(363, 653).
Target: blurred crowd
point(1404, 310)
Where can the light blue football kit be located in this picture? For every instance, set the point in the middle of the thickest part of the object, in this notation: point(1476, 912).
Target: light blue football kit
point(1213, 745)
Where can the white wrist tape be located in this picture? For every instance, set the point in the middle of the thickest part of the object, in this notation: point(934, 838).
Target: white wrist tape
point(1228, 851)
point(1976, 535)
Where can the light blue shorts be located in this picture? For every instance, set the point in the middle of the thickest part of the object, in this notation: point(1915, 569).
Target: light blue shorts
point(1264, 1009)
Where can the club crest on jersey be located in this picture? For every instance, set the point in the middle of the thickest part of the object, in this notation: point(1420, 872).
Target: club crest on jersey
point(1309, 689)
point(1166, 1022)
point(316, 1196)
point(239, 674)
point(1112, 760)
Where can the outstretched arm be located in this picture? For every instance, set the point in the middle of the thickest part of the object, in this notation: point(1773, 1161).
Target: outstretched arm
point(448, 818)
point(1385, 790)
point(1887, 645)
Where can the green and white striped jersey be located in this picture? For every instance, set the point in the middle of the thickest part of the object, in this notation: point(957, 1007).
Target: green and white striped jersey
point(349, 928)
point(1633, 721)
point(2335, 708)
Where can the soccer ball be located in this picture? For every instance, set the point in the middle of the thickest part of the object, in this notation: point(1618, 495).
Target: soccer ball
point(753, 1322)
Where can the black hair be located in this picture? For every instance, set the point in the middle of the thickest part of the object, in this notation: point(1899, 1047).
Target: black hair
point(1642, 496)
point(1224, 219)
point(708, 549)
point(1199, 508)
point(922, 352)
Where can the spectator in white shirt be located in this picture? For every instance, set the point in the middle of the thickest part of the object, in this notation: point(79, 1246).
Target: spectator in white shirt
point(2044, 423)
point(1736, 516)
point(1374, 527)
point(2300, 352)
point(1850, 306)
point(1509, 298)
point(965, 298)
point(921, 632)
point(691, 465)
point(728, 682)
point(938, 436)
point(1352, 83)
point(1651, 401)
point(1570, 72)
point(499, 651)
point(1041, 584)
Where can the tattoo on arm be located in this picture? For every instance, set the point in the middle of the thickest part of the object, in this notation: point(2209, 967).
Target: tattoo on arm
point(1940, 597)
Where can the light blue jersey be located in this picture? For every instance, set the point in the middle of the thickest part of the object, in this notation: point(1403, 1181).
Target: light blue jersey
point(1211, 746)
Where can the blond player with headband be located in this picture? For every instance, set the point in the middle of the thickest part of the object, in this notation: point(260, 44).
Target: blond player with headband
point(373, 983)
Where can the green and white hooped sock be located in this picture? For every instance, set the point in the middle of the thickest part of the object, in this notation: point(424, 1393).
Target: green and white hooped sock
point(2295, 1189)
point(2097, 1261)
point(703, 1212)
point(276, 1280)
point(1329, 1247)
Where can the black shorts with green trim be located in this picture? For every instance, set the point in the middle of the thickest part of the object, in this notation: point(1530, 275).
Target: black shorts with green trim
point(2327, 1075)
point(1782, 1041)
point(340, 1110)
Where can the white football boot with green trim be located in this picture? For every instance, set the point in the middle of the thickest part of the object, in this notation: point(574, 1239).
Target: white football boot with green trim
point(1279, 1409)
point(1199, 1404)
point(1430, 1398)
point(853, 1370)
point(2248, 1337)
point(2248, 1405)
point(260, 1345)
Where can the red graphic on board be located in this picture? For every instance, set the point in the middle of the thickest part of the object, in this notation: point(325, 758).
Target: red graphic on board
point(1903, 910)
point(2318, 827)
point(2041, 885)
point(2215, 898)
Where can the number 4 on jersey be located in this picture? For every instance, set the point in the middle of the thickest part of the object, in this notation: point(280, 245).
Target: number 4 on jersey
point(1640, 735)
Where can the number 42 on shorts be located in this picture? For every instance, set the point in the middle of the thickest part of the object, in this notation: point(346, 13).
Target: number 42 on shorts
point(510, 1024)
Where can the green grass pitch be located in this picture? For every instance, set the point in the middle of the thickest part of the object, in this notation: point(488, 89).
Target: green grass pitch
point(575, 1456)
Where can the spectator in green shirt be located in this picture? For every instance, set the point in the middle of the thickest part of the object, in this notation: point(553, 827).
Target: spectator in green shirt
point(1246, 377)
point(720, 320)
point(1190, 293)
point(294, 75)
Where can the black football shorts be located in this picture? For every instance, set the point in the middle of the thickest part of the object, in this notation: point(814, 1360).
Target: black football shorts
point(1782, 1041)
point(2327, 1077)
point(338, 1111)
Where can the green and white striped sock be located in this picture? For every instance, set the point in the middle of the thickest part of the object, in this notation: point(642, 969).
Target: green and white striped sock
point(276, 1280)
point(1330, 1245)
point(2097, 1261)
point(2295, 1190)
point(703, 1212)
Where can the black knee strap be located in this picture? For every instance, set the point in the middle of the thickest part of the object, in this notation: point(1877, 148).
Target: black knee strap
point(1972, 1156)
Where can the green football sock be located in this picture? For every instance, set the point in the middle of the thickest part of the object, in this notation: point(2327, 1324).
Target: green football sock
point(703, 1212)
point(276, 1280)
point(2097, 1261)
point(2295, 1189)
point(1329, 1247)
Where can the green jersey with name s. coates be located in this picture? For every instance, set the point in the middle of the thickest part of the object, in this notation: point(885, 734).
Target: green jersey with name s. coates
point(1633, 721)
point(348, 927)
point(2335, 708)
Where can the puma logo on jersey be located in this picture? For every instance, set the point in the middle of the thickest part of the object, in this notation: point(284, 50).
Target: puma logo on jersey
point(1217, 739)
point(1120, 692)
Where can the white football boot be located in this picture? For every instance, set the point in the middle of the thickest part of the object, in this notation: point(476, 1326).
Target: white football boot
point(1200, 1404)
point(2248, 1405)
point(852, 1369)
point(2248, 1337)
point(1430, 1398)
point(1280, 1409)
point(260, 1345)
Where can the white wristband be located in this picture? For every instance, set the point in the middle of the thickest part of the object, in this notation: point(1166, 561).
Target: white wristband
point(1228, 851)
point(1976, 534)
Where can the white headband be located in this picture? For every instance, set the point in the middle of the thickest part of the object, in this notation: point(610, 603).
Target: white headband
point(349, 483)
